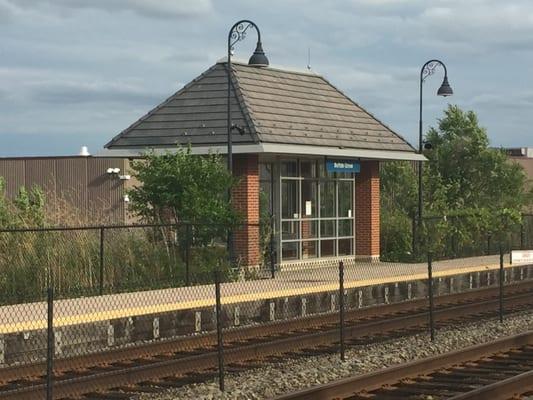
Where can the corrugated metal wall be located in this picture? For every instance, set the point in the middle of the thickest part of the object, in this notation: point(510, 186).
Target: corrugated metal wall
point(78, 189)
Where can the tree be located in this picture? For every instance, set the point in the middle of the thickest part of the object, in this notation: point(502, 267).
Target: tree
point(398, 208)
point(468, 180)
point(471, 190)
point(181, 187)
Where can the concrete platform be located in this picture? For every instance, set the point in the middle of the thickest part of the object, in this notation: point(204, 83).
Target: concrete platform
point(96, 323)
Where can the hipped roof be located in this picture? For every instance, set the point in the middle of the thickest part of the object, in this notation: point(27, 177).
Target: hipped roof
point(273, 105)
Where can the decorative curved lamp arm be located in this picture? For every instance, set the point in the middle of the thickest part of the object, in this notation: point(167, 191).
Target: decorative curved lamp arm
point(429, 69)
point(238, 33)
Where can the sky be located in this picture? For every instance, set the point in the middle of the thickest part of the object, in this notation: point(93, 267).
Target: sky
point(77, 72)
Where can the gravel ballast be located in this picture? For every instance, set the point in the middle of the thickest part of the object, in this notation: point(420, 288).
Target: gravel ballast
point(298, 373)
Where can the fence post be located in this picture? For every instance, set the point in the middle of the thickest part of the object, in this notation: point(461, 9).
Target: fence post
point(188, 232)
point(220, 344)
point(510, 252)
point(341, 309)
point(50, 345)
point(522, 236)
point(502, 275)
point(101, 273)
point(430, 295)
point(414, 238)
point(272, 252)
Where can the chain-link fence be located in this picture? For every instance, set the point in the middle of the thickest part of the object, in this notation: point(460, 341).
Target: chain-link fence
point(81, 261)
point(78, 300)
point(450, 237)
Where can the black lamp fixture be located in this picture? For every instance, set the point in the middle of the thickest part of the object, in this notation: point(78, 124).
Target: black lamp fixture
point(445, 90)
point(236, 34)
point(258, 59)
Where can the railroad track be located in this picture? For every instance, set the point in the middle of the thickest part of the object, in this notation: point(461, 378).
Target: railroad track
point(179, 361)
point(498, 370)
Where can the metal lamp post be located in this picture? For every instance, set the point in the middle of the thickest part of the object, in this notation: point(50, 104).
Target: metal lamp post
point(444, 90)
point(258, 59)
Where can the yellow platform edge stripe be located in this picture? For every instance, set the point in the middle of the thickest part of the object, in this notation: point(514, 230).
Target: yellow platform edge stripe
point(102, 316)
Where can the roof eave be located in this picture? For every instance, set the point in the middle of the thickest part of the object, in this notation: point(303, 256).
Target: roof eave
point(282, 149)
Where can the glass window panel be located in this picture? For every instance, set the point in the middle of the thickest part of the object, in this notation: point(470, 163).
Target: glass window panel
point(309, 199)
point(346, 227)
point(265, 171)
point(345, 175)
point(290, 230)
point(345, 198)
point(289, 251)
point(289, 199)
point(308, 169)
point(309, 249)
point(327, 228)
point(265, 198)
point(327, 248)
point(309, 229)
point(345, 247)
point(321, 169)
point(289, 168)
point(327, 199)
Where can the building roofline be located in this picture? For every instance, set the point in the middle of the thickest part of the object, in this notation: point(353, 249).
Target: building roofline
point(277, 148)
point(275, 67)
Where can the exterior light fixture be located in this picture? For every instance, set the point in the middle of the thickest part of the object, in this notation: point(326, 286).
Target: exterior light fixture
point(236, 34)
point(258, 59)
point(111, 170)
point(445, 90)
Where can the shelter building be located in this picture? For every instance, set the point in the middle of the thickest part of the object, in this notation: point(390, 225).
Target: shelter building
point(312, 151)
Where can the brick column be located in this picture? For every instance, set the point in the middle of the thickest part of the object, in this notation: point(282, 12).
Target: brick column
point(367, 211)
point(245, 198)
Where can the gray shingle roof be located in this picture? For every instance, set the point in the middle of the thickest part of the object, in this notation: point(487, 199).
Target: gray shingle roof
point(273, 105)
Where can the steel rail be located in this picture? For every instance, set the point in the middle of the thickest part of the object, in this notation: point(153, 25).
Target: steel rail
point(103, 380)
point(500, 390)
point(188, 343)
point(346, 388)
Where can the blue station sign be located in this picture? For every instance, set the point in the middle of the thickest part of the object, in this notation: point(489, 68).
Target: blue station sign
point(343, 166)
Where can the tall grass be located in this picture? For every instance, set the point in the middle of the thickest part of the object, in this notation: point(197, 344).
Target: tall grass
point(136, 258)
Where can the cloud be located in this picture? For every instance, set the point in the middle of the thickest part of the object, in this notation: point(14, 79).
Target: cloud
point(47, 87)
point(148, 8)
point(7, 11)
point(76, 92)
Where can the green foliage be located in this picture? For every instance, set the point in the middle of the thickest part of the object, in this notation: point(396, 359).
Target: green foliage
point(265, 228)
point(180, 187)
point(471, 191)
point(475, 186)
point(26, 210)
point(134, 259)
point(398, 206)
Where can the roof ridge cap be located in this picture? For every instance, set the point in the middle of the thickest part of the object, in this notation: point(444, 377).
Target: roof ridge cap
point(281, 68)
point(243, 105)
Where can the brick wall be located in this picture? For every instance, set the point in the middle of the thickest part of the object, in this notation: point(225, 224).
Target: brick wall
point(367, 210)
point(245, 197)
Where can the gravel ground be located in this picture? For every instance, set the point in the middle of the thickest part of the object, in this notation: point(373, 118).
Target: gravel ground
point(292, 374)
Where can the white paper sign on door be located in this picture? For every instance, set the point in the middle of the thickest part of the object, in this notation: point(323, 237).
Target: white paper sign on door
point(308, 208)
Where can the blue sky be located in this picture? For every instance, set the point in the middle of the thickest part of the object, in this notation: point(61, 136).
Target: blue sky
point(77, 72)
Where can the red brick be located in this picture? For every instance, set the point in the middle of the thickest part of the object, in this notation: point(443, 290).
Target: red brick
point(245, 198)
point(367, 210)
